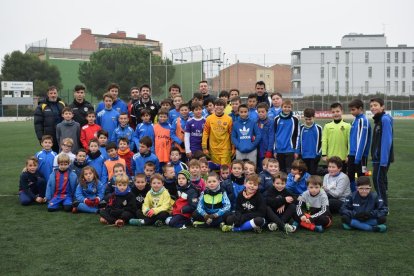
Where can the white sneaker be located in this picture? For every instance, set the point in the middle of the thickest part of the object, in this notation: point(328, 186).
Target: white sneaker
point(289, 228)
point(272, 226)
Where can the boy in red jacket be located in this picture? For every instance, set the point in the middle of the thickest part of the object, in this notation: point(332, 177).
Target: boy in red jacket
point(125, 153)
point(89, 131)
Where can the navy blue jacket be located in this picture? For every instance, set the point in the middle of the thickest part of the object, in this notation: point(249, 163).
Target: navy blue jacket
point(372, 204)
point(382, 151)
point(264, 127)
point(266, 181)
point(359, 138)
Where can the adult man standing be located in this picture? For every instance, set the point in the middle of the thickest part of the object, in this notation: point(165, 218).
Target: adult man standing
point(118, 105)
point(203, 89)
point(80, 106)
point(134, 97)
point(146, 102)
point(47, 115)
point(174, 90)
point(262, 96)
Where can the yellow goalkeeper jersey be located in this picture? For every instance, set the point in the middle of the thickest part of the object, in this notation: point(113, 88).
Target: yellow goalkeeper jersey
point(217, 131)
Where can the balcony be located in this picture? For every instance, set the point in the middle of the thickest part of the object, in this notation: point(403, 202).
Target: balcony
point(296, 62)
point(296, 76)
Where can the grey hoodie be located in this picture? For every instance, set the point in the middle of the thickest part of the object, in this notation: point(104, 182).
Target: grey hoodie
point(69, 129)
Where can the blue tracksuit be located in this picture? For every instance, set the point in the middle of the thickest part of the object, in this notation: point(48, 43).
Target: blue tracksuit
point(309, 141)
point(173, 135)
point(144, 129)
point(273, 112)
point(91, 191)
point(124, 132)
point(355, 204)
point(359, 138)
point(179, 166)
point(264, 127)
point(139, 160)
point(172, 115)
point(253, 114)
point(108, 120)
point(245, 135)
point(119, 106)
point(98, 164)
point(233, 187)
point(60, 189)
point(297, 188)
point(284, 134)
point(104, 154)
point(233, 116)
point(204, 113)
point(45, 166)
point(266, 181)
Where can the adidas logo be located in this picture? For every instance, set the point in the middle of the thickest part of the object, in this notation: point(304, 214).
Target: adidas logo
point(244, 131)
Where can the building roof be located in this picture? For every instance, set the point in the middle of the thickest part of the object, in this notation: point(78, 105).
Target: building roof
point(125, 38)
point(363, 35)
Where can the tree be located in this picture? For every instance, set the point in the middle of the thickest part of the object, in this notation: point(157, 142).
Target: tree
point(27, 67)
point(126, 66)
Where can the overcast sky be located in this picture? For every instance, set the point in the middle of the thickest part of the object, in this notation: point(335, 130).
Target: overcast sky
point(248, 30)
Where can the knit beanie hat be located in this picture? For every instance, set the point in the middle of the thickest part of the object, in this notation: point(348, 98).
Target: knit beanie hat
point(186, 174)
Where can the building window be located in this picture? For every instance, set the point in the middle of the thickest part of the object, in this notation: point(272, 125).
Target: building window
point(322, 58)
point(347, 72)
point(389, 72)
point(396, 87)
point(403, 71)
point(412, 86)
point(333, 73)
point(388, 86)
point(366, 57)
point(396, 57)
point(337, 57)
point(337, 86)
point(370, 72)
point(403, 57)
point(347, 87)
point(389, 57)
point(403, 87)
point(412, 57)
point(347, 57)
point(366, 87)
point(322, 72)
point(412, 71)
point(396, 71)
point(322, 86)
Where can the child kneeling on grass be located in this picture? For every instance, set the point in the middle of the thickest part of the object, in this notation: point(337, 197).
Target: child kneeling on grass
point(32, 186)
point(213, 204)
point(157, 204)
point(89, 192)
point(364, 210)
point(186, 202)
point(250, 209)
point(121, 204)
point(316, 204)
point(61, 185)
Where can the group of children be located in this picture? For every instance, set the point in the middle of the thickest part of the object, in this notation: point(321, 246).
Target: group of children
point(165, 173)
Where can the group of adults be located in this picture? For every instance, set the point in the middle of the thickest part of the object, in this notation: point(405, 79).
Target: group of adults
point(48, 112)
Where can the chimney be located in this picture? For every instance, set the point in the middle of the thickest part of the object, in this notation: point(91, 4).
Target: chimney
point(86, 31)
point(142, 36)
point(121, 34)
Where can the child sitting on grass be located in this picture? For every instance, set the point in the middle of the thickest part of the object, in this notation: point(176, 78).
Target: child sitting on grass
point(89, 192)
point(140, 190)
point(313, 207)
point(61, 186)
point(213, 204)
point(121, 204)
point(296, 180)
point(186, 202)
point(32, 186)
point(364, 210)
point(157, 204)
point(250, 209)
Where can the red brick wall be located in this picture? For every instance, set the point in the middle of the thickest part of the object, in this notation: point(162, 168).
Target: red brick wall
point(86, 40)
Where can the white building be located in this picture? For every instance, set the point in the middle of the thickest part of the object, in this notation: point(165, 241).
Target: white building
point(363, 64)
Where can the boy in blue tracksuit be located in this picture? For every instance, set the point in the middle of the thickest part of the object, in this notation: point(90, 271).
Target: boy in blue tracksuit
point(359, 142)
point(382, 151)
point(108, 117)
point(245, 136)
point(276, 107)
point(177, 132)
point(123, 131)
point(283, 136)
point(146, 128)
point(364, 210)
point(235, 103)
point(46, 157)
point(61, 186)
point(267, 176)
point(264, 124)
point(235, 183)
point(143, 156)
point(296, 180)
point(251, 104)
point(310, 141)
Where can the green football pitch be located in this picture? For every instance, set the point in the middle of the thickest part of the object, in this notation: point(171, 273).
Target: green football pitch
point(34, 241)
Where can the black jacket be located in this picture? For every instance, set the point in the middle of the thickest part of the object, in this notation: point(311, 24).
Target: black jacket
point(152, 106)
point(47, 115)
point(276, 199)
point(80, 110)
